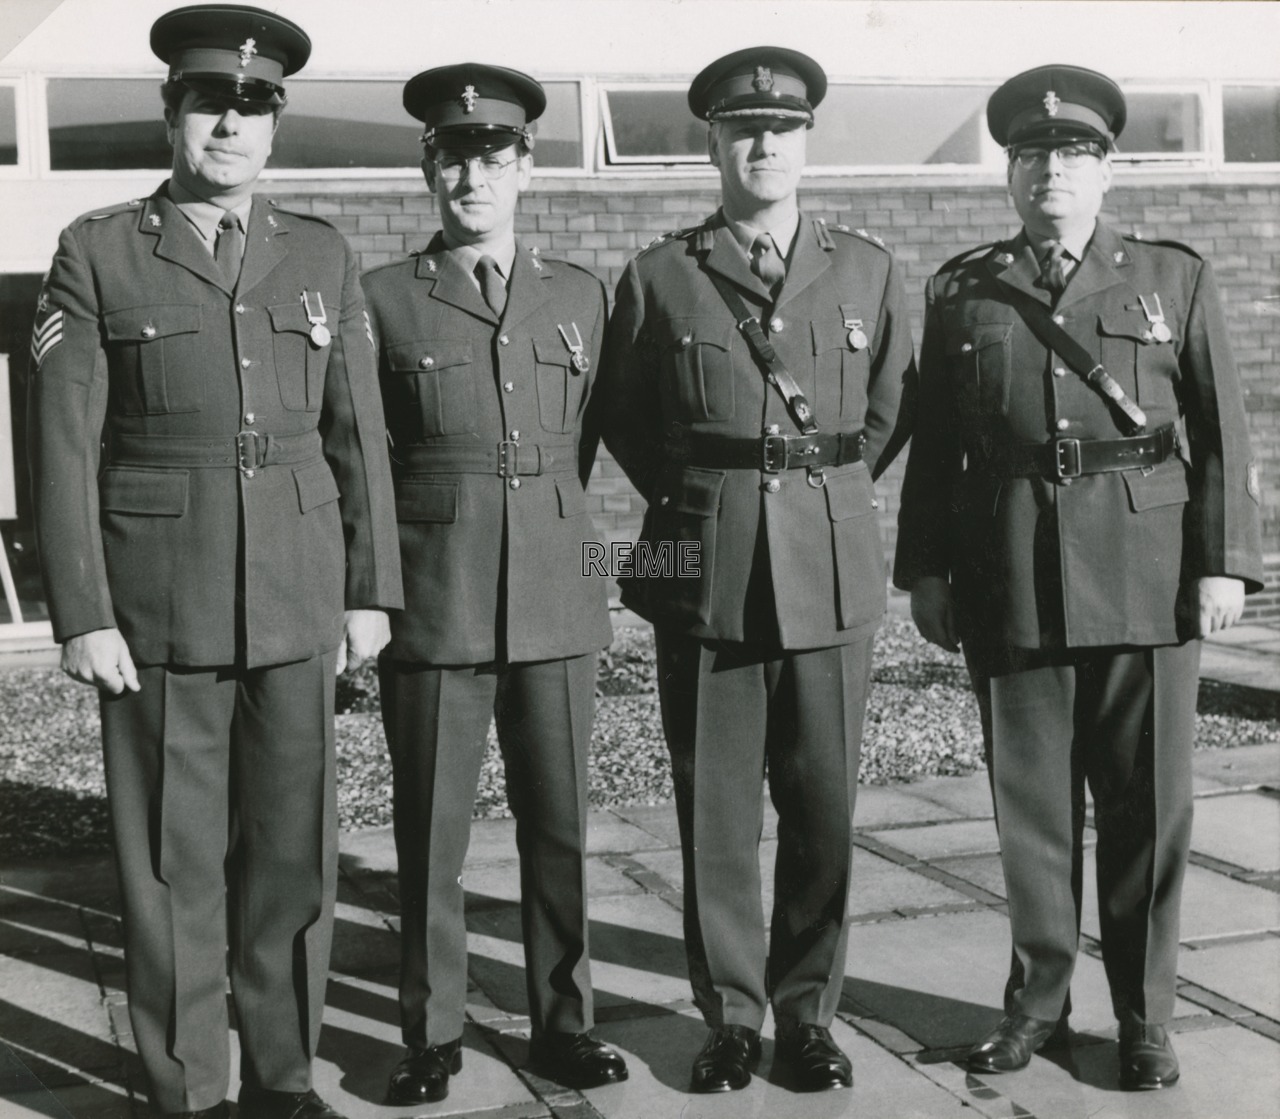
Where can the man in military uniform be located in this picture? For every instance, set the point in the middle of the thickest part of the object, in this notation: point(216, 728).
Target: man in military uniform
point(486, 357)
point(214, 513)
point(752, 378)
point(1079, 509)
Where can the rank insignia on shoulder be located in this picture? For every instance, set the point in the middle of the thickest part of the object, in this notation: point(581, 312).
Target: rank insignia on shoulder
point(47, 334)
point(1251, 482)
point(368, 330)
point(870, 237)
point(271, 221)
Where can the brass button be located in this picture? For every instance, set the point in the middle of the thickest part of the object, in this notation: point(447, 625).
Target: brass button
point(245, 363)
point(148, 331)
point(1058, 371)
point(772, 485)
point(248, 473)
point(1059, 319)
point(508, 386)
point(1063, 425)
point(966, 347)
point(426, 362)
point(239, 308)
point(515, 433)
point(503, 340)
point(249, 417)
point(771, 429)
point(664, 500)
point(514, 483)
point(776, 325)
point(875, 504)
point(686, 340)
point(1147, 336)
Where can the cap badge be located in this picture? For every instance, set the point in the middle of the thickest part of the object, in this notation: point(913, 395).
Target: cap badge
point(247, 50)
point(468, 99)
point(763, 81)
point(1051, 103)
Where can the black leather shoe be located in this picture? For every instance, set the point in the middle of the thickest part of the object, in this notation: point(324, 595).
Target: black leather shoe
point(818, 1063)
point(422, 1076)
point(727, 1059)
point(1147, 1059)
point(263, 1103)
point(1010, 1045)
point(217, 1111)
point(576, 1060)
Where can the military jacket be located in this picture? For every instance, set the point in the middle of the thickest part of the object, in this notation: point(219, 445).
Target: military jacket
point(493, 562)
point(676, 360)
point(146, 367)
point(1100, 560)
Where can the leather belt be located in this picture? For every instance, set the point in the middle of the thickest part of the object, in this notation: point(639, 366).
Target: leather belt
point(1063, 460)
point(770, 454)
point(247, 450)
point(505, 459)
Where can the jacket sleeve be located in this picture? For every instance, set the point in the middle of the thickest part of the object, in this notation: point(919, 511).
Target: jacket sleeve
point(893, 373)
point(589, 431)
point(355, 443)
point(67, 404)
point(1223, 531)
point(933, 464)
point(631, 416)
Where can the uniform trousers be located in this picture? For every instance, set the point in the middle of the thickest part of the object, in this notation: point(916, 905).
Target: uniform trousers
point(730, 713)
point(223, 805)
point(1122, 719)
point(437, 722)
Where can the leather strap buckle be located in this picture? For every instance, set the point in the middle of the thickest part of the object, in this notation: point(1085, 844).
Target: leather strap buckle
point(1066, 459)
point(773, 454)
point(250, 451)
point(507, 465)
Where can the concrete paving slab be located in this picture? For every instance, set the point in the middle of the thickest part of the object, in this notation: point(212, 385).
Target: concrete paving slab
point(666, 864)
point(1252, 636)
point(932, 841)
point(659, 820)
point(877, 885)
point(88, 881)
point(1247, 667)
point(371, 850)
point(1243, 830)
point(1246, 972)
point(362, 941)
point(607, 832)
point(984, 871)
point(969, 796)
point(1241, 766)
point(84, 1101)
point(500, 881)
point(880, 805)
point(492, 841)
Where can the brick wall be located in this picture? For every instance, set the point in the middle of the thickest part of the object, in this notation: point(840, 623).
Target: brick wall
point(601, 225)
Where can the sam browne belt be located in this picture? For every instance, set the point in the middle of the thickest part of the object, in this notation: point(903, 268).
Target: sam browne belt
point(768, 453)
point(1063, 460)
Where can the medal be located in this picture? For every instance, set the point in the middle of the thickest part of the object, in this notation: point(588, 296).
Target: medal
point(857, 337)
point(320, 336)
point(1159, 328)
point(577, 358)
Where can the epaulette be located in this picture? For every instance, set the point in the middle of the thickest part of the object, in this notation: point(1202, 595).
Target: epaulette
point(960, 257)
point(1136, 235)
point(130, 207)
point(674, 235)
point(399, 262)
point(300, 213)
point(865, 235)
point(540, 264)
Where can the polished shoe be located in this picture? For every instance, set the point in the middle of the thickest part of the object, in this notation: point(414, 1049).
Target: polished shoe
point(576, 1060)
point(1010, 1045)
point(217, 1111)
point(264, 1103)
point(817, 1062)
point(727, 1059)
point(1147, 1059)
point(422, 1076)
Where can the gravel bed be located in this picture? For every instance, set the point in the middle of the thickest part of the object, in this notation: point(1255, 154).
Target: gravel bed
point(922, 721)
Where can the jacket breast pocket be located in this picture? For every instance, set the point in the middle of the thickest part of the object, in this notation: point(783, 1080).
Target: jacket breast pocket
point(157, 364)
point(840, 372)
point(1143, 365)
point(697, 370)
point(978, 357)
point(560, 385)
point(437, 380)
point(858, 549)
point(685, 511)
point(300, 363)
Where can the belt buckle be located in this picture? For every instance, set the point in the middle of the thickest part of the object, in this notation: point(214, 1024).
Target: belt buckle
point(1066, 459)
point(773, 454)
point(249, 452)
point(507, 450)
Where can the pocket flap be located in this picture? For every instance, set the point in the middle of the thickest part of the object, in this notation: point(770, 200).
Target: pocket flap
point(551, 352)
point(684, 334)
point(316, 485)
point(148, 493)
point(290, 316)
point(850, 495)
point(1127, 324)
point(831, 335)
point(1165, 485)
point(427, 354)
point(977, 335)
point(146, 324)
point(572, 500)
point(698, 492)
point(436, 502)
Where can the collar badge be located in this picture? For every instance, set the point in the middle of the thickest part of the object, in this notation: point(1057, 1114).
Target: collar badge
point(154, 219)
point(248, 49)
point(1051, 103)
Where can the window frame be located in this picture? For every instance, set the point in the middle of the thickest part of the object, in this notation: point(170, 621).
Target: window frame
point(1206, 157)
point(1218, 91)
point(24, 168)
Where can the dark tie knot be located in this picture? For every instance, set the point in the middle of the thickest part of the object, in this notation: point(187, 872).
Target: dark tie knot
point(492, 285)
point(767, 263)
point(1053, 268)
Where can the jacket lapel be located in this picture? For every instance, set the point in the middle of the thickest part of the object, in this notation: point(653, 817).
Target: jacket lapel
point(727, 258)
point(1102, 267)
point(452, 284)
point(528, 290)
point(1014, 264)
point(808, 262)
point(263, 249)
point(176, 241)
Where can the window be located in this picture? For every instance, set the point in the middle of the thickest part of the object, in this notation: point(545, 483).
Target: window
point(8, 126)
point(651, 124)
point(105, 124)
point(1161, 125)
point(1251, 124)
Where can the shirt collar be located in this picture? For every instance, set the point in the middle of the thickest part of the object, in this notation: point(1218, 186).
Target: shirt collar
point(783, 234)
point(205, 216)
point(1076, 244)
point(468, 256)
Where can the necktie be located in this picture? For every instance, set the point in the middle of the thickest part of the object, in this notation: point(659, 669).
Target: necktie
point(1053, 270)
point(228, 249)
point(767, 264)
point(492, 286)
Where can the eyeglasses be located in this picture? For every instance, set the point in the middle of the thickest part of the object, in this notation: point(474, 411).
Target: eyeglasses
point(1069, 155)
point(452, 167)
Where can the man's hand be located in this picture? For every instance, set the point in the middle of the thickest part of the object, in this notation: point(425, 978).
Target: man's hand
point(932, 612)
point(1220, 600)
point(100, 658)
point(367, 631)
